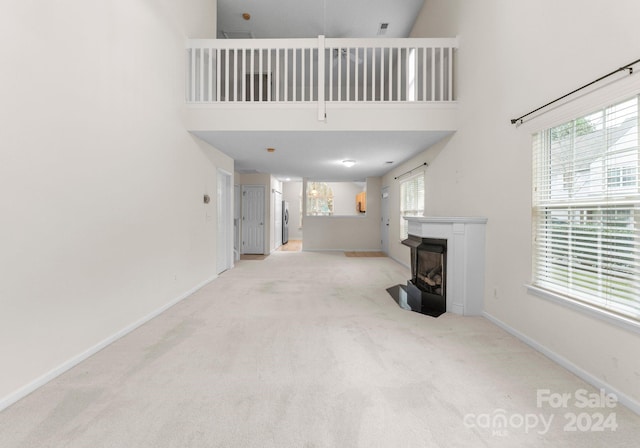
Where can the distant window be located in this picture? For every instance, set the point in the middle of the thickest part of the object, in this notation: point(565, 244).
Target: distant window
point(319, 199)
point(411, 201)
point(586, 210)
point(621, 177)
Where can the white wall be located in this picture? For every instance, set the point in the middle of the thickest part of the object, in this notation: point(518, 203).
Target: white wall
point(398, 251)
point(103, 220)
point(347, 232)
point(344, 197)
point(514, 57)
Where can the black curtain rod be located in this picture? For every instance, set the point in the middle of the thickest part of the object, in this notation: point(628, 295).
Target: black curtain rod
point(628, 67)
point(410, 171)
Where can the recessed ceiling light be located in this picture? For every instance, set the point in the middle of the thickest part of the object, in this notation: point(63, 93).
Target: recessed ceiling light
point(271, 149)
point(287, 179)
point(389, 162)
point(246, 16)
point(348, 163)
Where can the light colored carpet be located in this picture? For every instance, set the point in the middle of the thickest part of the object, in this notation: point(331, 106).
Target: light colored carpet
point(306, 350)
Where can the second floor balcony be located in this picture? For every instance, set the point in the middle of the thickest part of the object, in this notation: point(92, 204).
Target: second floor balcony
point(321, 84)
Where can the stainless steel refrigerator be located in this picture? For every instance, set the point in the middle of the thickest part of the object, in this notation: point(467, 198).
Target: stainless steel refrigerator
point(285, 222)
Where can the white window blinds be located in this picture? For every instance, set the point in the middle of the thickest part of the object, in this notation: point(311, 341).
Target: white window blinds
point(586, 204)
point(411, 201)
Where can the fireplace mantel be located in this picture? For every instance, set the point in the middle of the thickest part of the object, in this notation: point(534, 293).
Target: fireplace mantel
point(465, 258)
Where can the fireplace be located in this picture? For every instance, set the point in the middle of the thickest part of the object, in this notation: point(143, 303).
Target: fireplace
point(447, 266)
point(428, 284)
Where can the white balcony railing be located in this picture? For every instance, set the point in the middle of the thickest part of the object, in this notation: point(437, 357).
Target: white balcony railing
point(320, 70)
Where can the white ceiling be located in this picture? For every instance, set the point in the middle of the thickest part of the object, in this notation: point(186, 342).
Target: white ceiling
point(318, 155)
point(311, 18)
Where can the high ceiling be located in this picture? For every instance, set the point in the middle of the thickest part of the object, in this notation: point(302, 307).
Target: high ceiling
point(317, 155)
point(311, 18)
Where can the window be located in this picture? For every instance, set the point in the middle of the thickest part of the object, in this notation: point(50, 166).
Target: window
point(319, 199)
point(621, 177)
point(346, 198)
point(586, 210)
point(411, 201)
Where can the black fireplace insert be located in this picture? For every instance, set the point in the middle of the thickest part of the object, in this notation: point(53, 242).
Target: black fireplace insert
point(426, 290)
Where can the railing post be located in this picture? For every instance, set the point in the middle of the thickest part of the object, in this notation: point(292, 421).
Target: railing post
point(322, 107)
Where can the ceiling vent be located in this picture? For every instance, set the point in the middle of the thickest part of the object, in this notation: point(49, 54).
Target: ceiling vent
point(382, 29)
point(237, 34)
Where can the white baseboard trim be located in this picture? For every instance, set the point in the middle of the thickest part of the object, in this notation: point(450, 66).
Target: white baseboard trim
point(455, 309)
point(13, 397)
point(400, 262)
point(564, 362)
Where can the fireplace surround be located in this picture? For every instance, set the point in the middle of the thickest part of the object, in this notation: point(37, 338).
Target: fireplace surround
point(463, 241)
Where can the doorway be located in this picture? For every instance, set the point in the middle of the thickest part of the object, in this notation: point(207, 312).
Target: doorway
point(224, 258)
point(253, 206)
point(237, 216)
point(384, 221)
point(258, 87)
point(277, 218)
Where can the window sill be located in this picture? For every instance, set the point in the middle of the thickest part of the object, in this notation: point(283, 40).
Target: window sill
point(592, 311)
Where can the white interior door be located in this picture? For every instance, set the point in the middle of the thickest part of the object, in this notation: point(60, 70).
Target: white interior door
point(253, 200)
point(237, 216)
point(225, 237)
point(384, 220)
point(277, 218)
